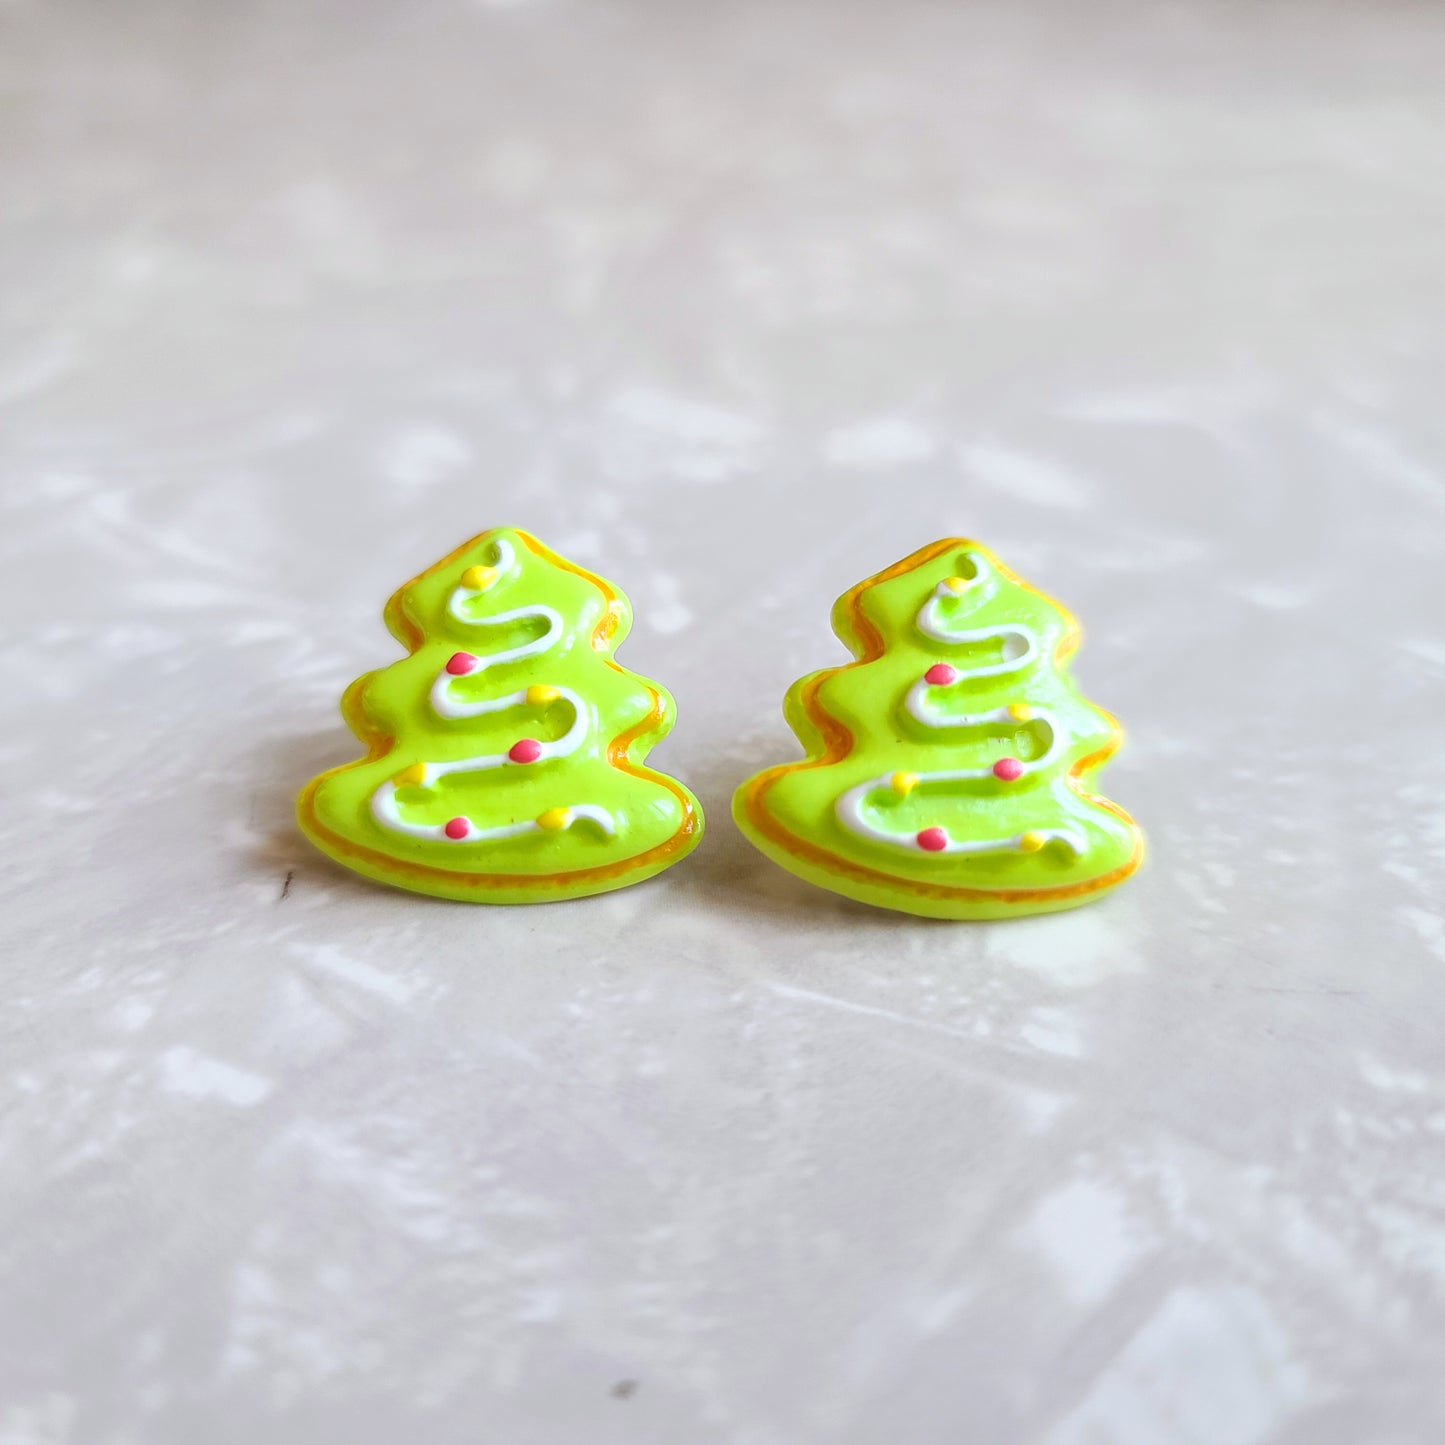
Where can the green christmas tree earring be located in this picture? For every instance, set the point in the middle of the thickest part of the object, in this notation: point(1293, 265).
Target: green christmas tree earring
point(950, 767)
point(506, 753)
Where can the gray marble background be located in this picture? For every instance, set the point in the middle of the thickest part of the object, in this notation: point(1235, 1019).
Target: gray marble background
point(736, 303)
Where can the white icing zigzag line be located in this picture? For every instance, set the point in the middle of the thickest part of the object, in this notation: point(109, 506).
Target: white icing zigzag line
point(441, 698)
point(384, 810)
point(980, 585)
point(505, 558)
point(1009, 634)
point(569, 742)
point(383, 801)
point(931, 622)
point(917, 707)
point(850, 813)
point(850, 806)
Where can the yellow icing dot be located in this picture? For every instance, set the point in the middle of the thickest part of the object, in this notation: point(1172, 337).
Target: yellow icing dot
point(409, 777)
point(1032, 842)
point(1020, 711)
point(554, 819)
point(903, 783)
point(478, 578)
point(956, 584)
point(539, 693)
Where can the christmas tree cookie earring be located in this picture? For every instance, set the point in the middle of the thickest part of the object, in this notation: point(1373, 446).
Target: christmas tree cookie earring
point(506, 753)
point(950, 767)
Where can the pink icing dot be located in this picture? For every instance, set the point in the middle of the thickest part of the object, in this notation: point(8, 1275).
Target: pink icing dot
point(933, 840)
point(940, 674)
point(457, 828)
point(1009, 769)
point(461, 663)
point(525, 750)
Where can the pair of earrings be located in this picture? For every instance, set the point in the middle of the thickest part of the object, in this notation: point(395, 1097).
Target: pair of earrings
point(948, 773)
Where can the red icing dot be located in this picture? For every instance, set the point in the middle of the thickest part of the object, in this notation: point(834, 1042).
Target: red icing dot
point(461, 663)
point(526, 750)
point(940, 674)
point(1009, 769)
point(457, 828)
point(933, 840)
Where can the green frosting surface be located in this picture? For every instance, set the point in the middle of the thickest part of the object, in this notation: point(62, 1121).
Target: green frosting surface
point(898, 802)
point(506, 751)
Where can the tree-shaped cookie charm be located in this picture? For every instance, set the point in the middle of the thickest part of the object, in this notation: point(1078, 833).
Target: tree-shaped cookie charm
point(950, 768)
point(506, 753)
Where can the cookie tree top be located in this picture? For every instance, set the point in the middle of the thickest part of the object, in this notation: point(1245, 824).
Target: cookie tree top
point(505, 754)
point(949, 768)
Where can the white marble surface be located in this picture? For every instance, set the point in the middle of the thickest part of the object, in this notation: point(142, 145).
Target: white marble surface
point(735, 302)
